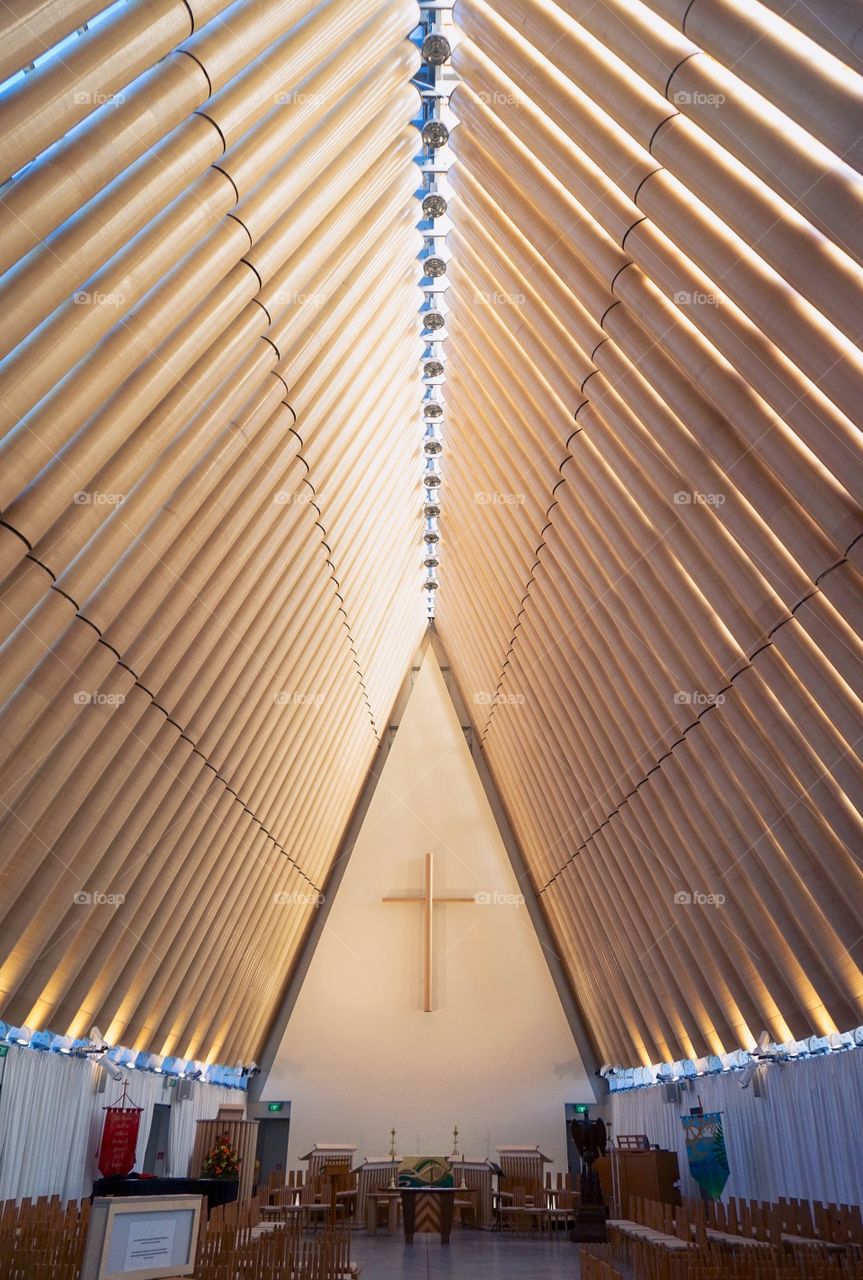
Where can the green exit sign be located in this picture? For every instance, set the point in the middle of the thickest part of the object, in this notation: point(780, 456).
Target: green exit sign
point(581, 1109)
point(4, 1049)
point(275, 1106)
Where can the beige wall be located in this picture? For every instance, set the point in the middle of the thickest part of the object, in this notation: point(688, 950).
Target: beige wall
point(496, 1056)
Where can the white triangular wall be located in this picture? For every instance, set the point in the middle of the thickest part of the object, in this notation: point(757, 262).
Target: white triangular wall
point(496, 1056)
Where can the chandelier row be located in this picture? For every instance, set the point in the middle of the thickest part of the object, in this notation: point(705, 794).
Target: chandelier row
point(435, 83)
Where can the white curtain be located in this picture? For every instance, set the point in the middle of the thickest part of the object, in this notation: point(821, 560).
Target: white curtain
point(51, 1115)
point(46, 1111)
point(803, 1139)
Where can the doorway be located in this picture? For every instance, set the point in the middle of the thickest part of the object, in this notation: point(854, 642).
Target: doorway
point(156, 1155)
point(572, 1111)
point(272, 1151)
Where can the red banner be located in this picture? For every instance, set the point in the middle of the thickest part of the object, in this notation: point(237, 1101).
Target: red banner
point(119, 1139)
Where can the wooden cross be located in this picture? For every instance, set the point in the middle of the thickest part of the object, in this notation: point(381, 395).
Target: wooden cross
point(429, 902)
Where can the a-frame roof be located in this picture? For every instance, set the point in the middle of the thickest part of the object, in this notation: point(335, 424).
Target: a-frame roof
point(212, 502)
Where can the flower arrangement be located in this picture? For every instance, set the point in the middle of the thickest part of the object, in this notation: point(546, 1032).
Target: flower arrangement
point(222, 1161)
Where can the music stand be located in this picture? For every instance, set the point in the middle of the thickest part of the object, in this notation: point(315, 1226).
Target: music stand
point(497, 1172)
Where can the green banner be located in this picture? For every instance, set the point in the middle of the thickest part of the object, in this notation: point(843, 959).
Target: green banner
point(425, 1171)
point(705, 1149)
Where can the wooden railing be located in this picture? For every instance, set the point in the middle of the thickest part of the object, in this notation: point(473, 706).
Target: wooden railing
point(597, 1263)
point(229, 1251)
point(42, 1239)
point(781, 1240)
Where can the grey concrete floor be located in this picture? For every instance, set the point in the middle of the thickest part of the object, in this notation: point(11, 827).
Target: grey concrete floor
point(471, 1255)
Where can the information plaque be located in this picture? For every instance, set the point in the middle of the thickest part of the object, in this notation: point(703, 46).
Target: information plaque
point(141, 1238)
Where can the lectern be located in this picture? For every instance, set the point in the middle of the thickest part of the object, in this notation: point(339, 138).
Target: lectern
point(649, 1174)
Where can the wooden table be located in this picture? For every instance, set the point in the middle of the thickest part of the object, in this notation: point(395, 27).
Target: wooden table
point(428, 1209)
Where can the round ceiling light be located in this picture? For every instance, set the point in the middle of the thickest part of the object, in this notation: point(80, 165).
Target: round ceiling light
point(432, 447)
point(435, 267)
point(432, 480)
point(432, 369)
point(436, 48)
point(434, 320)
point(431, 562)
point(431, 538)
point(431, 510)
point(434, 205)
point(435, 134)
point(433, 410)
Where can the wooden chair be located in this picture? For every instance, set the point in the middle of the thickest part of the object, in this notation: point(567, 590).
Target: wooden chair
point(344, 1185)
point(465, 1207)
point(523, 1211)
point(383, 1208)
point(327, 1195)
point(285, 1209)
point(560, 1213)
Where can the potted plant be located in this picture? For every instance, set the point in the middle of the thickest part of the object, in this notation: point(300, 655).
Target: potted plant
point(222, 1161)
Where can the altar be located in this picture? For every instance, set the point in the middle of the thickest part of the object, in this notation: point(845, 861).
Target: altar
point(428, 1209)
point(428, 1194)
